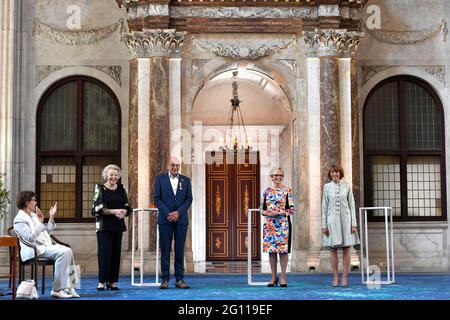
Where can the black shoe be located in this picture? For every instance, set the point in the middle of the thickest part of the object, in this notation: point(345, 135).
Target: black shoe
point(273, 284)
point(101, 288)
point(109, 287)
point(283, 285)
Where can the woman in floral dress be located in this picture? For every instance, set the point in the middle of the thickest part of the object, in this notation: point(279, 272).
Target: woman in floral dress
point(277, 205)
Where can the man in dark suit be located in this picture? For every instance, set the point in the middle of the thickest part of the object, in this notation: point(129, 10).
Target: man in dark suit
point(173, 196)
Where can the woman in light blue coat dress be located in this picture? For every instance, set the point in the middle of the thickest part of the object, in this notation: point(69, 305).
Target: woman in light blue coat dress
point(339, 226)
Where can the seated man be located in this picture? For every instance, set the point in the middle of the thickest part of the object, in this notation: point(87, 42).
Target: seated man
point(28, 224)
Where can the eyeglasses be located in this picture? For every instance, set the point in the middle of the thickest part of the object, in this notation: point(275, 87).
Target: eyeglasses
point(174, 165)
point(34, 199)
point(278, 175)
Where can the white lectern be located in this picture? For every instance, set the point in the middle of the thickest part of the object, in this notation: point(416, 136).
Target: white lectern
point(249, 252)
point(141, 241)
point(364, 252)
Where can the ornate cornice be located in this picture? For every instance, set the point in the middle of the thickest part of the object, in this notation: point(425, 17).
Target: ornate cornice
point(409, 36)
point(323, 43)
point(251, 50)
point(158, 42)
point(43, 71)
point(148, 10)
point(79, 37)
point(243, 12)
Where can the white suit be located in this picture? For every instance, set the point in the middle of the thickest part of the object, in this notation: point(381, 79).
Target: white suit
point(32, 230)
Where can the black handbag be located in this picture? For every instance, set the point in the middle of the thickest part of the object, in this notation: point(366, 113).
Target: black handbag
point(264, 203)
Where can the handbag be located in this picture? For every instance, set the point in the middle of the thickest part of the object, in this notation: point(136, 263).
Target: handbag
point(27, 290)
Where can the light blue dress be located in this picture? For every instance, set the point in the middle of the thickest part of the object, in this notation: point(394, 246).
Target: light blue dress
point(338, 215)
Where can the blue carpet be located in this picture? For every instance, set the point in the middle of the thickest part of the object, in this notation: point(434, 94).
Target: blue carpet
point(300, 287)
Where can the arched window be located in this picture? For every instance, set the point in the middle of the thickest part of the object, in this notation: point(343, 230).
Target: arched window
point(78, 134)
point(404, 164)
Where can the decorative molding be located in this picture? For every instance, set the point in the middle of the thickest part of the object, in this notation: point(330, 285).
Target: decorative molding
point(148, 10)
point(437, 71)
point(243, 12)
point(198, 64)
point(409, 36)
point(243, 49)
point(367, 72)
point(329, 10)
point(291, 64)
point(150, 42)
point(73, 38)
point(43, 71)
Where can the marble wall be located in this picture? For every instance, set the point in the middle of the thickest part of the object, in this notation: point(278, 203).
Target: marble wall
point(412, 41)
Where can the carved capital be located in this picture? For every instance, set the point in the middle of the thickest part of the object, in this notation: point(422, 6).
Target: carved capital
point(324, 43)
point(151, 43)
point(351, 43)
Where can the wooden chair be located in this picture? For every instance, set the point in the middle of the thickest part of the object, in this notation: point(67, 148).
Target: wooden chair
point(34, 263)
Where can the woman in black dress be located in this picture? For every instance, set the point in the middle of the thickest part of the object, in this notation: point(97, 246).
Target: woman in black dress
point(110, 208)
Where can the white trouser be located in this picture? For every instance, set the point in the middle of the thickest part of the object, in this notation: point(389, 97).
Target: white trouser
point(65, 272)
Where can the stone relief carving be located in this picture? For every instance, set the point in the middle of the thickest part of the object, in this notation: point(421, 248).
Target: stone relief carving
point(242, 12)
point(149, 43)
point(329, 11)
point(367, 72)
point(251, 50)
point(409, 36)
point(43, 71)
point(198, 64)
point(437, 71)
point(291, 64)
point(72, 37)
point(148, 10)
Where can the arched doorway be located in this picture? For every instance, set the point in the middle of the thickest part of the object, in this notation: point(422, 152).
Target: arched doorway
point(267, 115)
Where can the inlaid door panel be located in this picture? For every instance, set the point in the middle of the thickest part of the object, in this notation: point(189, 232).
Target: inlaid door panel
point(232, 187)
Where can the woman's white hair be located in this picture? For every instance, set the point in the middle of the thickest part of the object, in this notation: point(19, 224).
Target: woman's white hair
point(110, 167)
point(274, 170)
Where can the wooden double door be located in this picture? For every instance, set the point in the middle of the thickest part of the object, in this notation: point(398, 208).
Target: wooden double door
point(232, 187)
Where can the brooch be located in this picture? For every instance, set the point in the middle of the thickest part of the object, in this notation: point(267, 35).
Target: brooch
point(180, 185)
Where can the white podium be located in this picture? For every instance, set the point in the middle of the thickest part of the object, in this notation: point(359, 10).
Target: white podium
point(366, 268)
point(249, 252)
point(141, 283)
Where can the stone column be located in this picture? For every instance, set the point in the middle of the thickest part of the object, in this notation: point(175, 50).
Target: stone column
point(350, 119)
point(151, 101)
point(12, 15)
point(327, 94)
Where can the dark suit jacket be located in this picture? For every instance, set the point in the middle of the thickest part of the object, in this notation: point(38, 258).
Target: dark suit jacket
point(168, 202)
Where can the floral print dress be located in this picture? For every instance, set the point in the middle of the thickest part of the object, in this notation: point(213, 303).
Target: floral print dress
point(276, 231)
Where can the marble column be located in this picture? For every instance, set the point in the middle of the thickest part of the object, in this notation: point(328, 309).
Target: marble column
point(330, 141)
point(12, 33)
point(152, 98)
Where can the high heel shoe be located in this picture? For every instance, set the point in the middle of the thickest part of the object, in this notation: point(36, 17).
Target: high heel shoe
point(273, 284)
point(283, 285)
point(110, 287)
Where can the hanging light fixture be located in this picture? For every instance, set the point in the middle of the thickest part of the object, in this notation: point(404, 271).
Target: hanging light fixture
point(235, 134)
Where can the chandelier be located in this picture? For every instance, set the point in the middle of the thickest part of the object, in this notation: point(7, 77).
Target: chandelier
point(235, 134)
